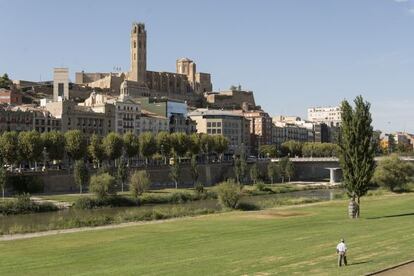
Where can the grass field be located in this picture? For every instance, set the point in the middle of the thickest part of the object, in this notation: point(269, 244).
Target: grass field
point(284, 241)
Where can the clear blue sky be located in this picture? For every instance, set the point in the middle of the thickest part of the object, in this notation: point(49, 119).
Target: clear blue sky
point(293, 54)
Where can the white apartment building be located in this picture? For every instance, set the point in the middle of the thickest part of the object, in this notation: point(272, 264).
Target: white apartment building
point(328, 115)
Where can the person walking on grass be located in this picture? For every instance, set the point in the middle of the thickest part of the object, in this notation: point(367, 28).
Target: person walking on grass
point(341, 251)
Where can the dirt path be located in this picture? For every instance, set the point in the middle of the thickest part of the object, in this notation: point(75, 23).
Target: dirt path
point(59, 204)
point(406, 269)
point(84, 229)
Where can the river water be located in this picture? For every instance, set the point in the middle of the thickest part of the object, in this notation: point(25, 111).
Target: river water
point(33, 221)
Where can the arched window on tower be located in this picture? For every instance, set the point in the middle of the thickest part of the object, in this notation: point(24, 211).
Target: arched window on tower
point(135, 44)
point(139, 44)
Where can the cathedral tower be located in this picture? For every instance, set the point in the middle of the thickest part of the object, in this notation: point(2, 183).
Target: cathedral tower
point(138, 53)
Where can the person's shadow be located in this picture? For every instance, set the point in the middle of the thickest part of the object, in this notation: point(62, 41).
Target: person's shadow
point(393, 216)
point(358, 263)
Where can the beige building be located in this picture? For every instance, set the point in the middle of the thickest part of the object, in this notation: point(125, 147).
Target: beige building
point(234, 98)
point(60, 83)
point(27, 118)
point(83, 118)
point(185, 84)
point(127, 112)
point(221, 122)
point(260, 127)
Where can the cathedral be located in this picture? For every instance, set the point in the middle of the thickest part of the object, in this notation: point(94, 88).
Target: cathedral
point(186, 84)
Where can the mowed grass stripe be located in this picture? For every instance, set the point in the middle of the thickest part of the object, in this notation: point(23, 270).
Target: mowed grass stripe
point(275, 242)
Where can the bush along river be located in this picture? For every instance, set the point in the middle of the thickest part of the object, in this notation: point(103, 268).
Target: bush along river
point(73, 218)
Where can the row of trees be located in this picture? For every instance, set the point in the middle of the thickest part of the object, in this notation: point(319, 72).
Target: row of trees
point(31, 146)
point(295, 148)
point(284, 169)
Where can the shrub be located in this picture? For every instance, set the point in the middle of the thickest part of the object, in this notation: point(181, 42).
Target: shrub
point(110, 201)
point(180, 197)
point(228, 194)
point(393, 173)
point(199, 189)
point(139, 183)
point(23, 205)
point(102, 185)
point(260, 186)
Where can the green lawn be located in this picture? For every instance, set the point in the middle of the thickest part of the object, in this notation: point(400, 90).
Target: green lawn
point(277, 241)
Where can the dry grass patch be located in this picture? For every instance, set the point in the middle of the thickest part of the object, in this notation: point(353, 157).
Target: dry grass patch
point(272, 214)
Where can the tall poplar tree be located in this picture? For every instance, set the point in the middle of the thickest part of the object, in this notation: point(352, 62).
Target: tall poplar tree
point(357, 151)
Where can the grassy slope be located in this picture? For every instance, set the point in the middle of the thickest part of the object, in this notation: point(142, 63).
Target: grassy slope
point(229, 244)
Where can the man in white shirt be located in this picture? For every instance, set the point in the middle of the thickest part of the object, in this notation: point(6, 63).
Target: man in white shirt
point(341, 251)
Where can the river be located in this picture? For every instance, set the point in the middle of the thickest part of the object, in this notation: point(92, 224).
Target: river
point(33, 221)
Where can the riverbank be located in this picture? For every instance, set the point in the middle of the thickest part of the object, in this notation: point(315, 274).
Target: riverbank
point(75, 218)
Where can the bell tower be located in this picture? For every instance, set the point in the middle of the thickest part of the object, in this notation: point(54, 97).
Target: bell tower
point(138, 53)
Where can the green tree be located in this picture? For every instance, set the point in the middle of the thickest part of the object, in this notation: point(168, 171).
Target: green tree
point(30, 145)
point(112, 145)
point(240, 168)
point(147, 145)
point(285, 166)
point(9, 147)
point(5, 81)
point(96, 150)
point(194, 169)
point(3, 180)
point(54, 142)
point(207, 144)
point(268, 150)
point(393, 173)
point(81, 174)
point(357, 151)
point(254, 173)
point(221, 145)
point(289, 170)
point(292, 148)
point(273, 171)
point(194, 144)
point(179, 143)
point(163, 140)
point(103, 185)
point(139, 183)
point(75, 144)
point(122, 174)
point(175, 172)
point(131, 145)
point(228, 194)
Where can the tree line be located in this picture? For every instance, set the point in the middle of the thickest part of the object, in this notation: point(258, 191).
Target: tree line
point(32, 146)
point(295, 148)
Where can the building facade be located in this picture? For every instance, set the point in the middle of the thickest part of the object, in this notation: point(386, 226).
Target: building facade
point(10, 97)
point(327, 115)
point(84, 118)
point(27, 118)
point(154, 123)
point(127, 116)
point(174, 110)
point(60, 83)
point(220, 122)
point(260, 127)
